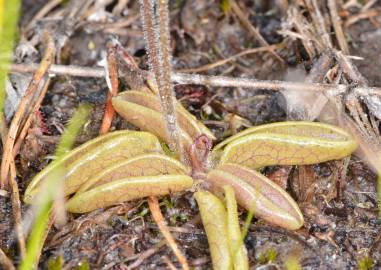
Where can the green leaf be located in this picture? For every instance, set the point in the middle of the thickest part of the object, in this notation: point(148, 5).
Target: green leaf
point(147, 119)
point(286, 143)
point(127, 189)
point(237, 247)
point(149, 102)
point(143, 165)
point(257, 193)
point(93, 157)
point(214, 217)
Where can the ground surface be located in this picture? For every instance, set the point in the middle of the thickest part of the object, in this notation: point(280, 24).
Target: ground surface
point(342, 228)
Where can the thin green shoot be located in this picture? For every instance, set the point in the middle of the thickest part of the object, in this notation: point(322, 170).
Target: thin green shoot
point(244, 232)
point(249, 218)
point(49, 192)
point(9, 15)
point(238, 250)
point(34, 244)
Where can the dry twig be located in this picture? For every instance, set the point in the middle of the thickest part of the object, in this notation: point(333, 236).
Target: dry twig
point(368, 14)
point(319, 22)
point(316, 75)
point(146, 254)
point(305, 32)
point(253, 31)
point(362, 126)
point(159, 219)
point(227, 60)
point(337, 26)
point(5, 261)
point(16, 209)
point(217, 81)
point(23, 110)
point(41, 13)
point(169, 263)
point(30, 118)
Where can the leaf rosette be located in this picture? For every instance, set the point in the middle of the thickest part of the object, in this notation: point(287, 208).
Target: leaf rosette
point(126, 165)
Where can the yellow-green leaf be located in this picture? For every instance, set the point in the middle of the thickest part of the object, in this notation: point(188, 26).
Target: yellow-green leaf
point(257, 193)
point(288, 143)
point(187, 121)
point(143, 165)
point(214, 219)
point(147, 119)
point(91, 158)
point(298, 128)
point(237, 247)
point(127, 189)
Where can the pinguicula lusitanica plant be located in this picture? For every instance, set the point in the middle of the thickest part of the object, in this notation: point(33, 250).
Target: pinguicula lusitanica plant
point(126, 165)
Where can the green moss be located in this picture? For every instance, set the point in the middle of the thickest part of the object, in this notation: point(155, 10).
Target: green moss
point(365, 263)
point(225, 6)
point(55, 263)
point(268, 256)
point(83, 265)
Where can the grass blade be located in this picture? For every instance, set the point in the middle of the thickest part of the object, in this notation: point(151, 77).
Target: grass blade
point(46, 199)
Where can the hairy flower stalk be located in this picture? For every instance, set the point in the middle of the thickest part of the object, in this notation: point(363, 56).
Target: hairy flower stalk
point(156, 33)
point(149, 23)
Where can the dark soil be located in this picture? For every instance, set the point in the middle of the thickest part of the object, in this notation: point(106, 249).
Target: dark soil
point(342, 228)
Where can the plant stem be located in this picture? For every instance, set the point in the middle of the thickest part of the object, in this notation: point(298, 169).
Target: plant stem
point(156, 32)
point(148, 18)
